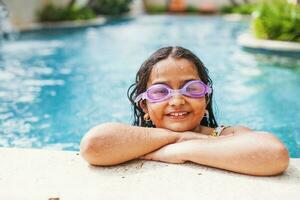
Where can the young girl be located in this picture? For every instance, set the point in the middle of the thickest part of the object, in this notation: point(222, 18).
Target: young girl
point(174, 122)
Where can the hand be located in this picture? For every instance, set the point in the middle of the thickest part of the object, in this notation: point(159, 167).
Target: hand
point(188, 135)
point(172, 153)
point(176, 152)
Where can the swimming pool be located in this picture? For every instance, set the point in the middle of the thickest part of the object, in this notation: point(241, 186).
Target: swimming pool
point(55, 85)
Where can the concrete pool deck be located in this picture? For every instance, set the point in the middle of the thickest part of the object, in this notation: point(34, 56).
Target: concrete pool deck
point(32, 174)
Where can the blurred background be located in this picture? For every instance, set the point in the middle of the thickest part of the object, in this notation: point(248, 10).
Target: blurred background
point(66, 65)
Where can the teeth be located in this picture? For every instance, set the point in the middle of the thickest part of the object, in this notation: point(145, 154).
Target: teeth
point(178, 113)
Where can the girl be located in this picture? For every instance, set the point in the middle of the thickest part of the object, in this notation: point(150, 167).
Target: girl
point(174, 122)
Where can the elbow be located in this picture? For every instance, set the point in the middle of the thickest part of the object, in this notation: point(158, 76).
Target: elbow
point(89, 149)
point(281, 158)
point(93, 146)
point(278, 154)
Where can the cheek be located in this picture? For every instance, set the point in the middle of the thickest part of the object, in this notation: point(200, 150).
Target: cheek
point(199, 107)
point(156, 112)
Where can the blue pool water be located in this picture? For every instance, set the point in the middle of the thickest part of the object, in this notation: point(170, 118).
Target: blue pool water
point(55, 85)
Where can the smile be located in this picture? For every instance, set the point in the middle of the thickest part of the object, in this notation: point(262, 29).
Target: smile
point(178, 115)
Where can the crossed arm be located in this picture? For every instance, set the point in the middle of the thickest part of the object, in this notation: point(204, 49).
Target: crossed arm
point(240, 149)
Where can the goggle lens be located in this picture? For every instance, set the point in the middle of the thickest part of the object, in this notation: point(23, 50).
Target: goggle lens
point(195, 89)
point(158, 92)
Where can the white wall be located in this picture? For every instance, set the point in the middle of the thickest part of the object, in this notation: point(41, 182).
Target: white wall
point(201, 2)
point(22, 12)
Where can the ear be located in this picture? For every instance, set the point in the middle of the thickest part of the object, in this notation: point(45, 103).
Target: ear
point(143, 105)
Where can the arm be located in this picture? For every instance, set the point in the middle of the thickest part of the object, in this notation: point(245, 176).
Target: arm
point(251, 153)
point(254, 154)
point(114, 143)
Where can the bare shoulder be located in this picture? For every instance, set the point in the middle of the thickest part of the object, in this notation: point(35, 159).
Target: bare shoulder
point(237, 129)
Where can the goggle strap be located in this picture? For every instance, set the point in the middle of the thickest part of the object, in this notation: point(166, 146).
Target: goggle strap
point(209, 90)
point(139, 97)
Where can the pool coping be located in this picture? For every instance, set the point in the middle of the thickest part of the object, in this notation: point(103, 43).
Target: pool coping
point(248, 41)
point(98, 21)
point(235, 17)
point(43, 174)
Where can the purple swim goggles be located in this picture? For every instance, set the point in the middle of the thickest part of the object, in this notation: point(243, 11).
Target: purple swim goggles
point(161, 92)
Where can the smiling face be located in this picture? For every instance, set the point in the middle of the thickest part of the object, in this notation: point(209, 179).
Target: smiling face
point(178, 113)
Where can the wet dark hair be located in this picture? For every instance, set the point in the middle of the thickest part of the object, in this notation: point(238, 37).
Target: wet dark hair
point(143, 75)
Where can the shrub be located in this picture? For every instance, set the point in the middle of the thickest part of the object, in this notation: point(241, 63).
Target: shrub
point(155, 9)
point(277, 20)
point(244, 9)
point(192, 9)
point(54, 13)
point(226, 9)
point(110, 7)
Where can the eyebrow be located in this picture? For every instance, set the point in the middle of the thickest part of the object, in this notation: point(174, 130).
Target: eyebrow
point(182, 82)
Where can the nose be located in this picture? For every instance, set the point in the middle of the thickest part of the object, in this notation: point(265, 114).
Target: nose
point(177, 100)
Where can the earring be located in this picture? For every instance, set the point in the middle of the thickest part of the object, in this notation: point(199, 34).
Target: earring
point(148, 120)
point(147, 117)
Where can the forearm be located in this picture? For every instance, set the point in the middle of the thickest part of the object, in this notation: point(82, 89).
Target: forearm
point(114, 143)
point(254, 154)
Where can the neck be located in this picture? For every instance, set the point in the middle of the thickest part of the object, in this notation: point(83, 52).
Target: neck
point(203, 130)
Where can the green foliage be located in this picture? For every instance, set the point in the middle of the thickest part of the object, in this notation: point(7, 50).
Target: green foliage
point(155, 9)
point(54, 13)
point(226, 9)
point(244, 9)
point(110, 7)
point(192, 9)
point(272, 19)
point(277, 20)
point(159, 9)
